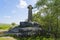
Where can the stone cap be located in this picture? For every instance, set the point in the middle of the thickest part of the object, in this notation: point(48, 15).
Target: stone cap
point(30, 7)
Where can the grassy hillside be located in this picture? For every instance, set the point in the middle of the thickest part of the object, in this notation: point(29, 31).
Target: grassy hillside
point(4, 26)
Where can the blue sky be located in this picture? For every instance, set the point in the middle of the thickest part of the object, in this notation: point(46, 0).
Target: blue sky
point(14, 10)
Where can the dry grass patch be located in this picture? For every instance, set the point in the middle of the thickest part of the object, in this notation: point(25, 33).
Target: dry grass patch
point(7, 38)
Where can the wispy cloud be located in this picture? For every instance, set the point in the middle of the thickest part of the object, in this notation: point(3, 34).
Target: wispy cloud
point(22, 4)
point(8, 17)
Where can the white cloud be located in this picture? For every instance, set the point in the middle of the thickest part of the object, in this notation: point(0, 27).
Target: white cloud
point(45, 6)
point(8, 17)
point(43, 14)
point(35, 1)
point(36, 11)
point(22, 4)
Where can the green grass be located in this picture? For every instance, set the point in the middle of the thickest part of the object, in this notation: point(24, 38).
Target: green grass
point(35, 38)
point(5, 26)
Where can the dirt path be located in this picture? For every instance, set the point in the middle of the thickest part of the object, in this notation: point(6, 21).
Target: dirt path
point(7, 38)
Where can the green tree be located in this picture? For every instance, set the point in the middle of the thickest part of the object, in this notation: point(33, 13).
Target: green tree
point(13, 24)
point(48, 15)
point(51, 8)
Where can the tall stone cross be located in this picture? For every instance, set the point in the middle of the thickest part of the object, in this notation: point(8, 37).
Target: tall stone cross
point(30, 13)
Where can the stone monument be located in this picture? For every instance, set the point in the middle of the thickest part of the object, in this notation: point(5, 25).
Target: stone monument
point(28, 28)
point(30, 13)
